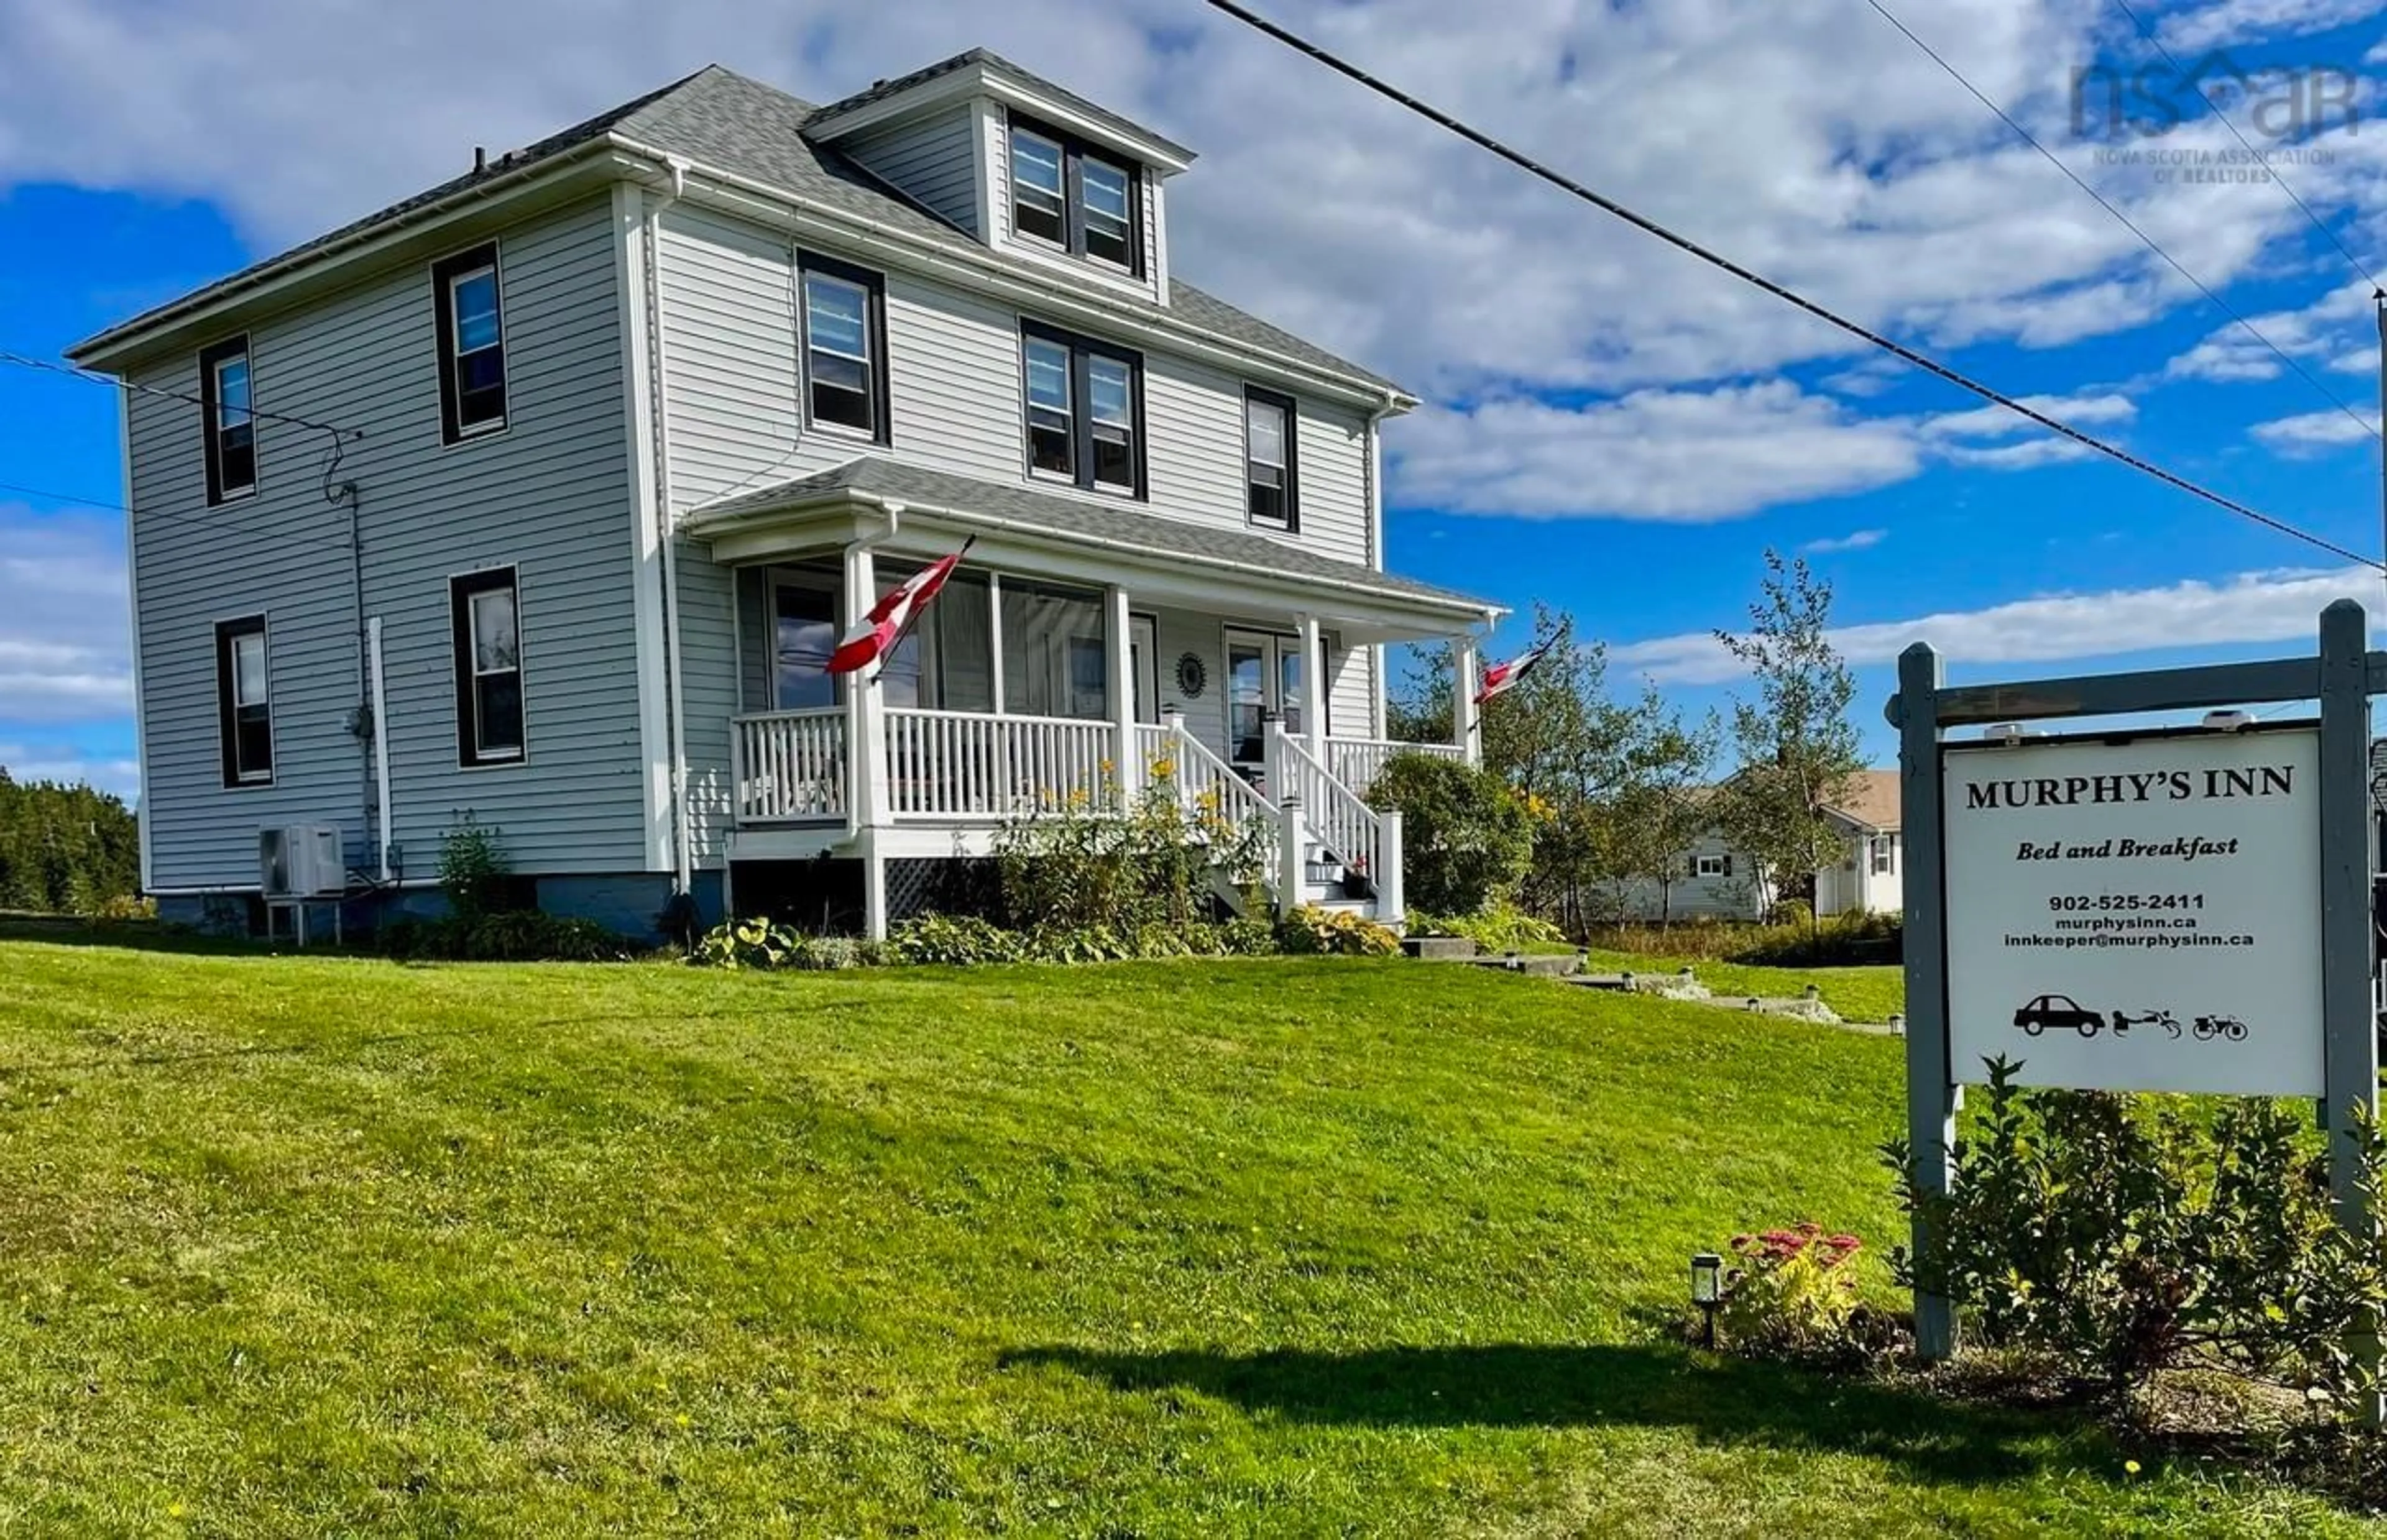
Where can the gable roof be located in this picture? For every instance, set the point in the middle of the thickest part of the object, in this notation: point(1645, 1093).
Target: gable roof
point(1152, 533)
point(720, 119)
point(1873, 802)
point(996, 64)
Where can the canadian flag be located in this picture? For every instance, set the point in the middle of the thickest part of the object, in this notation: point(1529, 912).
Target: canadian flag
point(878, 632)
point(1501, 676)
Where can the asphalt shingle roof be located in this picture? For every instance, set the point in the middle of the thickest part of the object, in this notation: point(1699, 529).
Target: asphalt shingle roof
point(1062, 515)
point(720, 119)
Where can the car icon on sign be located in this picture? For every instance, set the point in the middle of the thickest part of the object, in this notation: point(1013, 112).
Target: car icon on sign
point(2058, 1011)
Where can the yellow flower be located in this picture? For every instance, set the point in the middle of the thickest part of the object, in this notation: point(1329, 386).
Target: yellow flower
point(1163, 768)
point(2130, 1467)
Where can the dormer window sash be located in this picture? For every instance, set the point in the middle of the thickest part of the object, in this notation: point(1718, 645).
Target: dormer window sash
point(1067, 193)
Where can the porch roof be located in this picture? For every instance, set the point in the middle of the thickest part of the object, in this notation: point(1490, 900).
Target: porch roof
point(967, 502)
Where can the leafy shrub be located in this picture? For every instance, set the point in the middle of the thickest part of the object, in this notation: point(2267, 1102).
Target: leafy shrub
point(1467, 839)
point(1499, 929)
point(1310, 930)
point(749, 943)
point(1839, 941)
point(952, 938)
point(1789, 911)
point(831, 954)
point(119, 909)
point(472, 867)
point(2112, 1238)
point(1091, 861)
point(509, 936)
point(1791, 1293)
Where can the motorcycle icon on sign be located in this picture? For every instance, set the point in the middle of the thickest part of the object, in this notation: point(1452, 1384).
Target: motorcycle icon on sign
point(2207, 1028)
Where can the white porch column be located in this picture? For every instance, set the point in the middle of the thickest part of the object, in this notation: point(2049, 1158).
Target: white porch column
point(1392, 899)
point(1466, 665)
point(1172, 716)
point(865, 707)
point(1120, 679)
point(1313, 689)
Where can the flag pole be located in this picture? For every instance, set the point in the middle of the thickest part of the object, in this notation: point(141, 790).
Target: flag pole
point(913, 619)
point(2379, 306)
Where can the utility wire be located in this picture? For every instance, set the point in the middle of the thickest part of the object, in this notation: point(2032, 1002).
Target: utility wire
point(71, 372)
point(213, 522)
point(2368, 425)
point(1715, 260)
point(2212, 106)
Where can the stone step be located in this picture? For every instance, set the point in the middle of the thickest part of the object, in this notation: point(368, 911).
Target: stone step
point(1440, 949)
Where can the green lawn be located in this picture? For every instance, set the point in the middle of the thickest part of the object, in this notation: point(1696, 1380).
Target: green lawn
point(1856, 993)
point(303, 1247)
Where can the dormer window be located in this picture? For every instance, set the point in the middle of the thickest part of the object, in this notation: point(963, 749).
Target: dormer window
point(1066, 192)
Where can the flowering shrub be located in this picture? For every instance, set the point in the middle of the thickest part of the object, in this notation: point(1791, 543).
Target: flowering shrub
point(1792, 1292)
point(1109, 861)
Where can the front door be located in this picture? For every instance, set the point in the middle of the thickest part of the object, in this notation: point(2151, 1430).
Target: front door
point(1263, 675)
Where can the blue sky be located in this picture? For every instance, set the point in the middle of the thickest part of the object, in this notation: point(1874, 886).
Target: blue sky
point(1610, 428)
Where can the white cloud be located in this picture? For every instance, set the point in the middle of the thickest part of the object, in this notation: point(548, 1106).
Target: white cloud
point(63, 618)
point(1857, 539)
point(2326, 329)
point(2312, 432)
point(1687, 456)
point(2232, 21)
point(1332, 211)
point(2252, 607)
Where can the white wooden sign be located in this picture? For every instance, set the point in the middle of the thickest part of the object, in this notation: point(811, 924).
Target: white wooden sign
point(2138, 915)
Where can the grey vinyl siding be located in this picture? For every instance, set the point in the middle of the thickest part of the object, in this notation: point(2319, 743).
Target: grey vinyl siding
point(1731, 898)
point(709, 693)
point(933, 161)
point(549, 495)
point(732, 390)
point(1350, 689)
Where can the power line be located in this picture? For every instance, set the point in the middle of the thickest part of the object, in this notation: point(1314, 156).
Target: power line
point(2210, 106)
point(2367, 425)
point(71, 372)
point(1756, 280)
point(213, 522)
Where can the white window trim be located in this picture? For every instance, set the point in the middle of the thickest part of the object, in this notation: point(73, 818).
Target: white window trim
point(1707, 866)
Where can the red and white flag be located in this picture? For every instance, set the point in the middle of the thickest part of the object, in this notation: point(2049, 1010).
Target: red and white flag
point(1501, 676)
point(878, 632)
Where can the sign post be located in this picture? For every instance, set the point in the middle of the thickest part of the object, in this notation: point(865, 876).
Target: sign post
point(2174, 909)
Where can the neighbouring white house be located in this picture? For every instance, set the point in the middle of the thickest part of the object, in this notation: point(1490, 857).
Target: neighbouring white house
point(545, 495)
point(1720, 882)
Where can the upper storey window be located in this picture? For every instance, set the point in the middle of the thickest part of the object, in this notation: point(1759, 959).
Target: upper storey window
point(1069, 195)
point(472, 344)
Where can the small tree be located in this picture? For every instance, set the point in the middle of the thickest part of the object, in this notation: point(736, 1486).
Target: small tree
point(1798, 750)
point(1467, 839)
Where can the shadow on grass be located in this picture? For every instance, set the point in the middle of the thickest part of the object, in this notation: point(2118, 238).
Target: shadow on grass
point(130, 936)
point(1523, 1385)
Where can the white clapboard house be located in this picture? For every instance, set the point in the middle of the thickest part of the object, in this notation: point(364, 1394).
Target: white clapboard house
point(545, 495)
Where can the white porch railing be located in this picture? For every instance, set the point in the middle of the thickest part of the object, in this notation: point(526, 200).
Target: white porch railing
point(960, 765)
point(1335, 817)
point(1356, 762)
point(791, 766)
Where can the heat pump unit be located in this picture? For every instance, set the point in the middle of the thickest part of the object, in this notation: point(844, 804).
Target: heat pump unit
point(301, 861)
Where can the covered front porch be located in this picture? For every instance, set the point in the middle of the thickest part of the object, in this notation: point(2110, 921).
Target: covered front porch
point(1056, 663)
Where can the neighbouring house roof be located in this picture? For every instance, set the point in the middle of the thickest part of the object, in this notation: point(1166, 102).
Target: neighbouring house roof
point(996, 64)
point(1153, 534)
point(1873, 802)
point(719, 118)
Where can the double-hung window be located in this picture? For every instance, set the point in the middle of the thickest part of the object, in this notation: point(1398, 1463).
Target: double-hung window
point(231, 421)
point(1711, 866)
point(1270, 491)
point(1885, 854)
point(1085, 409)
point(488, 667)
point(243, 702)
point(472, 343)
point(845, 346)
point(1072, 195)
